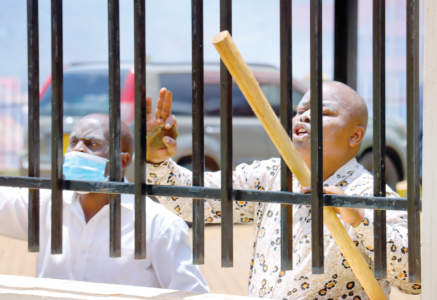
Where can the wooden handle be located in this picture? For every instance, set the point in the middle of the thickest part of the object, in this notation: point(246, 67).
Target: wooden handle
point(250, 88)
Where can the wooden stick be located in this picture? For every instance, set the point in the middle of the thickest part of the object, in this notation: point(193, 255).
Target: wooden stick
point(249, 87)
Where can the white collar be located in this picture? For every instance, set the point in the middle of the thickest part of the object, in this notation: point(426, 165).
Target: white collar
point(127, 200)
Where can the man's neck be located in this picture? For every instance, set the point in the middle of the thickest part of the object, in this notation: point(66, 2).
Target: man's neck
point(92, 203)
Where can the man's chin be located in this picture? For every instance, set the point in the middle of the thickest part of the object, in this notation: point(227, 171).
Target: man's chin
point(302, 145)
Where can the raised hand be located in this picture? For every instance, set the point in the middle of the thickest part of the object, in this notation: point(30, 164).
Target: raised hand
point(162, 116)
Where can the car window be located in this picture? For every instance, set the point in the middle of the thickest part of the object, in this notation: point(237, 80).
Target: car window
point(180, 85)
point(273, 94)
point(85, 92)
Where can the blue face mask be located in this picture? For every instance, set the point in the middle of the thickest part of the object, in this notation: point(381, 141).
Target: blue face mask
point(82, 166)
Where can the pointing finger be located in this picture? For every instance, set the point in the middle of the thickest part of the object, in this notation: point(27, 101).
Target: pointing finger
point(166, 105)
point(158, 111)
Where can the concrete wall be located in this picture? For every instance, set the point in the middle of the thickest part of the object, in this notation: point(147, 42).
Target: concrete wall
point(27, 288)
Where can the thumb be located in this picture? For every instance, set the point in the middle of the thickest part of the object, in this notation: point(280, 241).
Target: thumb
point(171, 145)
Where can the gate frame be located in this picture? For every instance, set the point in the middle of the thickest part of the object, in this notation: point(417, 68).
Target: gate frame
point(429, 237)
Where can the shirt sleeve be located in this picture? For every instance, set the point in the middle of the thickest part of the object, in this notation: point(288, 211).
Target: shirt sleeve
point(13, 213)
point(172, 261)
point(397, 247)
point(257, 176)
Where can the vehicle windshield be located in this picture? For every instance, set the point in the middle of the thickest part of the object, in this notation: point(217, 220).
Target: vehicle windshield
point(180, 85)
point(85, 92)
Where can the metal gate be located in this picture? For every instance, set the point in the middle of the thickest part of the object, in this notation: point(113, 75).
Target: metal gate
point(345, 71)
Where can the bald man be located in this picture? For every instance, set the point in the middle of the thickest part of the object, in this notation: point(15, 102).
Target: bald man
point(85, 254)
point(344, 125)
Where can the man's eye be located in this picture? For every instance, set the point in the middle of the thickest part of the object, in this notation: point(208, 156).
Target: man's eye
point(93, 144)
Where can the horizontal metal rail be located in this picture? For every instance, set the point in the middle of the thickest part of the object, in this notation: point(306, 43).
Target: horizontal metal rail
point(380, 203)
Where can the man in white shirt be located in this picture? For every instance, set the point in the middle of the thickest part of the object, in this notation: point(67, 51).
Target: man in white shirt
point(85, 254)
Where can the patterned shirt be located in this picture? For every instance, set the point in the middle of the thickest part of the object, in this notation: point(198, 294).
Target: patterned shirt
point(266, 279)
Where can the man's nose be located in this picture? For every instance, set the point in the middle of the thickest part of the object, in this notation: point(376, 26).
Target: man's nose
point(305, 117)
point(80, 146)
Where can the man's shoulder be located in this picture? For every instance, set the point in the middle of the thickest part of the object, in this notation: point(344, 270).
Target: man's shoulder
point(362, 184)
point(272, 164)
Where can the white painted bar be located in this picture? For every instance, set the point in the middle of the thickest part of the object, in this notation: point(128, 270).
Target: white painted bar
point(27, 288)
point(429, 163)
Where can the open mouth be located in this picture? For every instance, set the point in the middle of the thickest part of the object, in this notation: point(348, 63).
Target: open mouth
point(301, 130)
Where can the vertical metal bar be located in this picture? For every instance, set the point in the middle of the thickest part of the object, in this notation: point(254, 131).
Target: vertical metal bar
point(286, 116)
point(140, 127)
point(226, 145)
point(198, 129)
point(414, 258)
point(316, 137)
point(345, 41)
point(33, 129)
point(57, 125)
point(114, 126)
point(379, 151)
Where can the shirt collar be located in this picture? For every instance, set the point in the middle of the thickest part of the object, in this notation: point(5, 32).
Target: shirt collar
point(127, 200)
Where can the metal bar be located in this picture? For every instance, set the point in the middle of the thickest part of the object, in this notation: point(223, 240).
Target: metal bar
point(140, 127)
point(57, 125)
point(33, 129)
point(398, 204)
point(379, 150)
point(286, 116)
point(316, 138)
point(414, 234)
point(345, 41)
point(198, 129)
point(114, 126)
point(226, 145)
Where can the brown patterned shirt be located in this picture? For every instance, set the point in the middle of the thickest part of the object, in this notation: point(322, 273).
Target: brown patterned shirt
point(266, 279)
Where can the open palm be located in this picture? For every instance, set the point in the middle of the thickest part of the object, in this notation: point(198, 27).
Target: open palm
point(162, 116)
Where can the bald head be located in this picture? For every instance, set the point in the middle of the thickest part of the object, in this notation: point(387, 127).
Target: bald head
point(351, 100)
point(344, 121)
point(100, 123)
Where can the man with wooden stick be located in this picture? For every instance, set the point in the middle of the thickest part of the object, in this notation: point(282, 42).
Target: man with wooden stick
point(344, 124)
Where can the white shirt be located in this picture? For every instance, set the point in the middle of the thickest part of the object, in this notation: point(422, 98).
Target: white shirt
point(85, 254)
point(266, 278)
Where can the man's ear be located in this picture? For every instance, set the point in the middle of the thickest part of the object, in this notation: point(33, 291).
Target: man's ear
point(126, 159)
point(357, 136)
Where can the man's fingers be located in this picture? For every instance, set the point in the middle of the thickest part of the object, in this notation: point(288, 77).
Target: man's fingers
point(162, 92)
point(158, 111)
point(170, 122)
point(306, 190)
point(149, 109)
point(169, 142)
point(161, 97)
point(171, 145)
point(166, 105)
